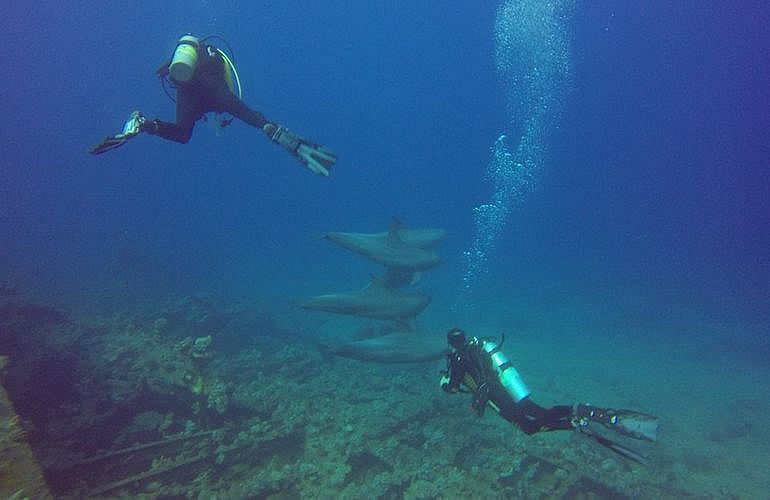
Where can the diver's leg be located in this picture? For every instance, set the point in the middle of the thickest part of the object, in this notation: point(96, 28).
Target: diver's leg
point(532, 418)
point(239, 110)
point(188, 112)
point(227, 102)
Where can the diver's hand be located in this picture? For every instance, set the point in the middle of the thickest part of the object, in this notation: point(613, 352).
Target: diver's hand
point(315, 157)
point(444, 382)
point(133, 125)
point(136, 123)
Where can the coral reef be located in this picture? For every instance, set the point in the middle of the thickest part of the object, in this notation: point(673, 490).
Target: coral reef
point(166, 404)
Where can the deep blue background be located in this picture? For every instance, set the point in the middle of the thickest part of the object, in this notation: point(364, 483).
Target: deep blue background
point(657, 174)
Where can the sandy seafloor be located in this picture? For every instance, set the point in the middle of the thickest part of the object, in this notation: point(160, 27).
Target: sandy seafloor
point(317, 426)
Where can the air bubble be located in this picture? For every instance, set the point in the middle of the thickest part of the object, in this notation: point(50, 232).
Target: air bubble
point(532, 57)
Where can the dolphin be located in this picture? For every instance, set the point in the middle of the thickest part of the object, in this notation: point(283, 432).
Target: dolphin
point(399, 278)
point(374, 301)
point(394, 347)
point(420, 238)
point(392, 249)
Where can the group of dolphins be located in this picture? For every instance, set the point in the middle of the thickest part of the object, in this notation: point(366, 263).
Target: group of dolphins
point(405, 253)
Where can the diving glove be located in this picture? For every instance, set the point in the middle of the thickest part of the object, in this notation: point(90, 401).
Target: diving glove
point(131, 128)
point(315, 157)
point(444, 380)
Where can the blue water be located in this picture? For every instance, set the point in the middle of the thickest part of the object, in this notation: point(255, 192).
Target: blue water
point(655, 170)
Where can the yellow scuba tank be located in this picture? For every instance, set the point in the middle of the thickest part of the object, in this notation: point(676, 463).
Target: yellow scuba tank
point(185, 59)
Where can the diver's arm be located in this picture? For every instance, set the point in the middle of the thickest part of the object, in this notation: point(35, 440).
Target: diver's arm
point(163, 70)
point(453, 376)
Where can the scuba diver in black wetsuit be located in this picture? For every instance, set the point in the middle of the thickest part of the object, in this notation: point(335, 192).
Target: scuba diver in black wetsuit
point(207, 81)
point(477, 366)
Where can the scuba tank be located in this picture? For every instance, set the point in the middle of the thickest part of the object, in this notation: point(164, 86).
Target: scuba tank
point(184, 62)
point(185, 59)
point(509, 376)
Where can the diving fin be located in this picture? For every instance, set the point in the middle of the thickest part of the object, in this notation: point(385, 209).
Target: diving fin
point(109, 143)
point(131, 128)
point(629, 423)
point(620, 449)
point(636, 425)
point(317, 158)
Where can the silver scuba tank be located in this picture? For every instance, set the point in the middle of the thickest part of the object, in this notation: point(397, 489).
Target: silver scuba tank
point(509, 376)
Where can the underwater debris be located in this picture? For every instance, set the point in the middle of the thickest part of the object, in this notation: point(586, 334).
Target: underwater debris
point(133, 466)
point(3, 367)
point(210, 392)
point(200, 348)
point(20, 474)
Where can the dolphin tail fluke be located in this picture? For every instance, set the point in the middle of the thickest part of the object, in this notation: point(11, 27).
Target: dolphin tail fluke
point(326, 351)
point(396, 223)
point(408, 324)
point(375, 282)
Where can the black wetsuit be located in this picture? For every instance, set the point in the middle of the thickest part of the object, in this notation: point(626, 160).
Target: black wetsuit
point(206, 91)
point(465, 366)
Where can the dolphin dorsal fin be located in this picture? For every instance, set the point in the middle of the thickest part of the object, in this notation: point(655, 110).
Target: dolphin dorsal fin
point(375, 283)
point(409, 324)
point(394, 236)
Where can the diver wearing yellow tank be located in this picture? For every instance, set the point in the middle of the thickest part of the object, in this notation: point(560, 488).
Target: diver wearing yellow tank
point(206, 80)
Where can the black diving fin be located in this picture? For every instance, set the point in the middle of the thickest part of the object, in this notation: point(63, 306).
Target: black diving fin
point(621, 449)
point(636, 425)
point(109, 143)
point(131, 128)
point(608, 426)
